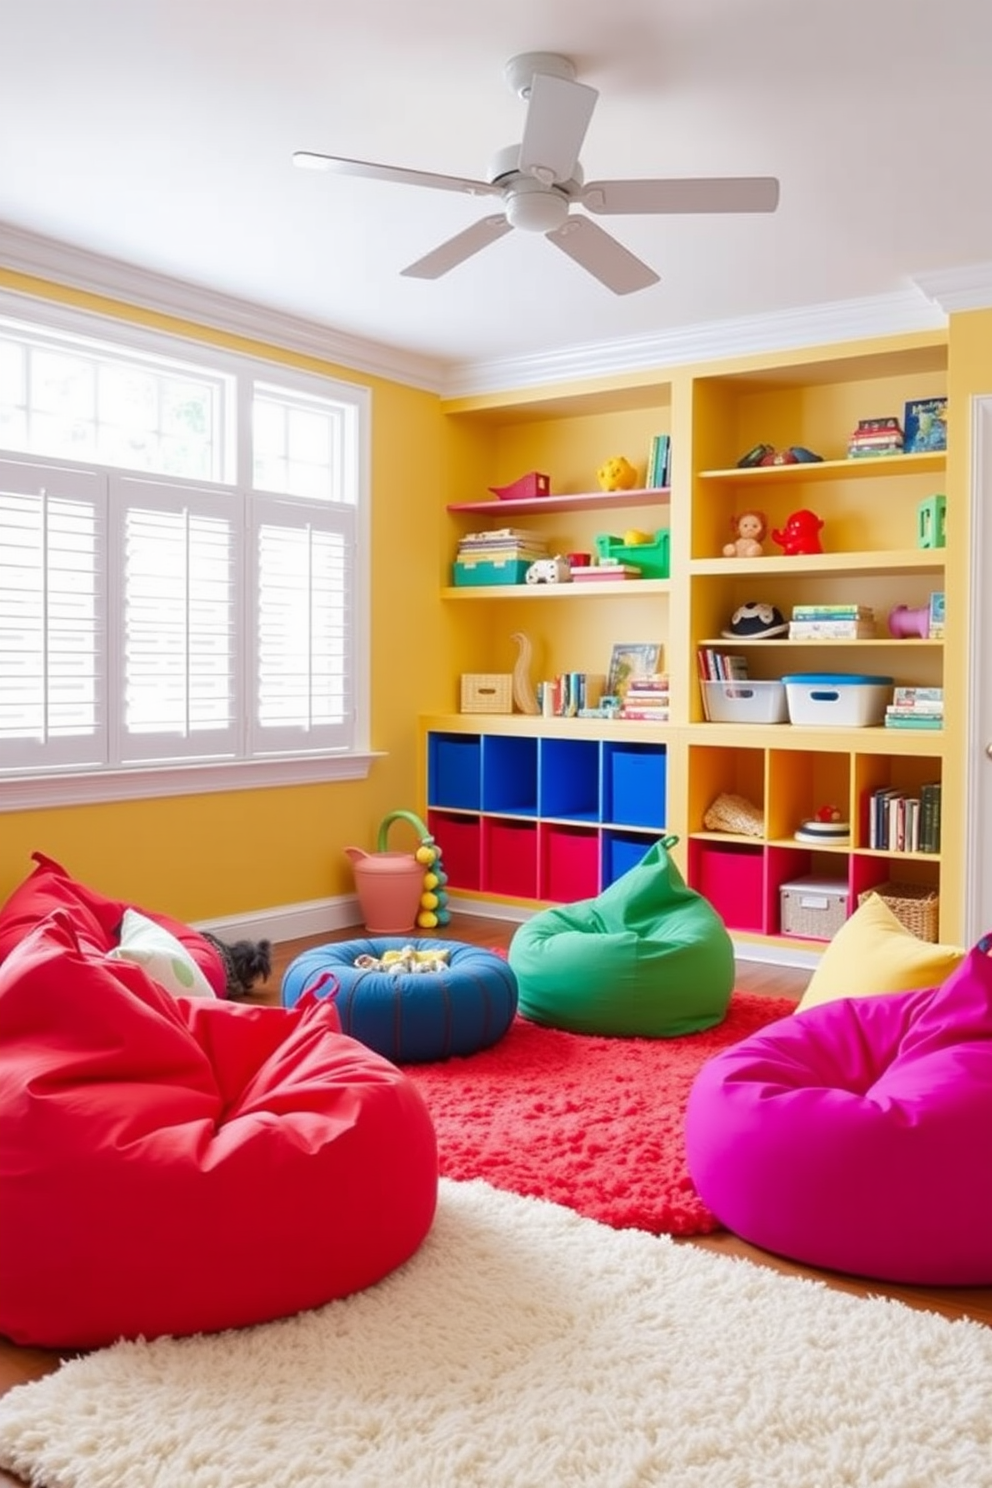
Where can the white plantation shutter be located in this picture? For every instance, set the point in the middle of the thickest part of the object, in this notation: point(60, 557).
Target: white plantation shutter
point(180, 608)
point(53, 526)
point(304, 625)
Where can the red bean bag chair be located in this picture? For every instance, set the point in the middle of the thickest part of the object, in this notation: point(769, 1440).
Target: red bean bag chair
point(96, 918)
point(180, 1165)
point(857, 1135)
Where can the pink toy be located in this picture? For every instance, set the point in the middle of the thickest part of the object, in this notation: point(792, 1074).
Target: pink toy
point(801, 534)
point(904, 622)
point(749, 529)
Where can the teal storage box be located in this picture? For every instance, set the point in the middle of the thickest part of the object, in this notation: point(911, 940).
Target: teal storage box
point(653, 558)
point(505, 571)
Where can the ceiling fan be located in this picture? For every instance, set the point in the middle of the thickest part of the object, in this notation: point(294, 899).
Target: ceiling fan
point(540, 180)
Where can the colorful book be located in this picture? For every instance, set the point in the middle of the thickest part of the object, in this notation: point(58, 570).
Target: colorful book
point(925, 423)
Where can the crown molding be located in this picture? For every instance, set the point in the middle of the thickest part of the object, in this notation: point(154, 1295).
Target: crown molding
point(923, 306)
point(965, 288)
point(812, 325)
point(77, 268)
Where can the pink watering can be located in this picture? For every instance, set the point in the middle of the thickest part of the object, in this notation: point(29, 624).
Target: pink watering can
point(392, 885)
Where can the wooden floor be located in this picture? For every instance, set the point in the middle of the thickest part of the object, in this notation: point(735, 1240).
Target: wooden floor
point(20, 1364)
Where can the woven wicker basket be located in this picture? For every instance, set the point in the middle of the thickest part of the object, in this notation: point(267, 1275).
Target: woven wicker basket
point(913, 906)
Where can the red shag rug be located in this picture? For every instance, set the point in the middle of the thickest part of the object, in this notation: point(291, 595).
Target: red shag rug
point(595, 1124)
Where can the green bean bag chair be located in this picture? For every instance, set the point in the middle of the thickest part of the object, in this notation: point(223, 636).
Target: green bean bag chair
point(647, 957)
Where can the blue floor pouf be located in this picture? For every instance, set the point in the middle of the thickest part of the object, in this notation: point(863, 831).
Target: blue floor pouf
point(411, 1017)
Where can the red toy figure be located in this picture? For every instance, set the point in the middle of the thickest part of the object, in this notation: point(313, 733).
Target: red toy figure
point(801, 534)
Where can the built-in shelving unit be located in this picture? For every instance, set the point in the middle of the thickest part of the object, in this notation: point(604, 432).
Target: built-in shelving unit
point(872, 555)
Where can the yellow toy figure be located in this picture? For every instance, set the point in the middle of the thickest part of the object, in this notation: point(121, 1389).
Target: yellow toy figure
point(617, 475)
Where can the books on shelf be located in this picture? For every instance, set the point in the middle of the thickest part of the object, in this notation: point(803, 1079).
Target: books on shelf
point(721, 666)
point(916, 707)
point(659, 462)
point(647, 699)
point(926, 425)
point(876, 436)
point(605, 573)
point(903, 822)
point(831, 630)
point(832, 622)
point(567, 694)
point(832, 612)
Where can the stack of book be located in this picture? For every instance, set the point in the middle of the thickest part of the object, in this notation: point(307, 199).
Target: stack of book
point(832, 622)
point(503, 545)
point(876, 436)
point(659, 462)
point(646, 698)
point(916, 708)
point(898, 822)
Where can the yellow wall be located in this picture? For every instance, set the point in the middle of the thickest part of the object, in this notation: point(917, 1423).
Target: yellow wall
point(208, 856)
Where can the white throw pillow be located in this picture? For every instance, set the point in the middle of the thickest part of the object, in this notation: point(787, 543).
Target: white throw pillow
point(166, 960)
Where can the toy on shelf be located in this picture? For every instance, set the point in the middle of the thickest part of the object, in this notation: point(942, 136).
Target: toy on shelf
point(825, 826)
point(617, 474)
point(756, 622)
point(905, 622)
point(767, 454)
point(556, 570)
point(750, 530)
point(800, 535)
point(533, 484)
point(931, 518)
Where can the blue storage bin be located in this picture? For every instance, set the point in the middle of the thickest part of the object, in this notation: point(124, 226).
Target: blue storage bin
point(569, 779)
point(634, 783)
point(454, 771)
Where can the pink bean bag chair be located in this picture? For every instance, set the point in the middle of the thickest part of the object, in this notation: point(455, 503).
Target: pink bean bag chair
point(857, 1136)
point(181, 1165)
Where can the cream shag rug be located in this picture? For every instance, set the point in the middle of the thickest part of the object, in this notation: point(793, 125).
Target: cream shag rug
point(525, 1345)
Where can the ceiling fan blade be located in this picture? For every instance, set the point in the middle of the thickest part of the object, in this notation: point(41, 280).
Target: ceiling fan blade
point(558, 115)
point(700, 194)
point(606, 259)
point(310, 160)
point(457, 249)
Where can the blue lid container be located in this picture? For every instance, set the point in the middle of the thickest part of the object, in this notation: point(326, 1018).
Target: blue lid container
point(837, 679)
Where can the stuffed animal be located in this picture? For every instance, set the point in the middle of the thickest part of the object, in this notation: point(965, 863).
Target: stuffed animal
point(556, 570)
point(749, 529)
point(801, 534)
point(617, 475)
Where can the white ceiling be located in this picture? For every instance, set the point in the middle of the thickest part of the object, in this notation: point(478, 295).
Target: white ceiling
point(159, 133)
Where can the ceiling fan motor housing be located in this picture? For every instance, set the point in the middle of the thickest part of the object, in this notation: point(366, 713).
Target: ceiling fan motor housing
point(533, 207)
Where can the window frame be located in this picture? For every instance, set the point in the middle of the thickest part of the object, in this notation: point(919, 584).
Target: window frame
point(91, 785)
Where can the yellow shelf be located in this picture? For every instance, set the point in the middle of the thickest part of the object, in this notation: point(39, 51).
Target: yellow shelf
point(602, 589)
point(872, 468)
point(892, 560)
point(582, 501)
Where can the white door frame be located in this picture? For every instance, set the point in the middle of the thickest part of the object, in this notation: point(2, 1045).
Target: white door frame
point(978, 773)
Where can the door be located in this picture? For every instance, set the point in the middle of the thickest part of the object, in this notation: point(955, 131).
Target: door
point(978, 872)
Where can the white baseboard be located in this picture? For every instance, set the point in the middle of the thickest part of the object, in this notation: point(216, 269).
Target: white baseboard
point(288, 921)
point(315, 916)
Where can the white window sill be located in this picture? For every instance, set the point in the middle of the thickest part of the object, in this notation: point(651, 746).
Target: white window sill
point(89, 787)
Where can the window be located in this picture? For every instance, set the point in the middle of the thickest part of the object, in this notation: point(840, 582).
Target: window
point(180, 582)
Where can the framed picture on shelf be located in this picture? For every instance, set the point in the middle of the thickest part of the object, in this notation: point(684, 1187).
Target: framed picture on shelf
point(925, 425)
point(632, 659)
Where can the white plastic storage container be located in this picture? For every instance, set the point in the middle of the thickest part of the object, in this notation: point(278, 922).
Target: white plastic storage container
point(840, 699)
point(745, 702)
